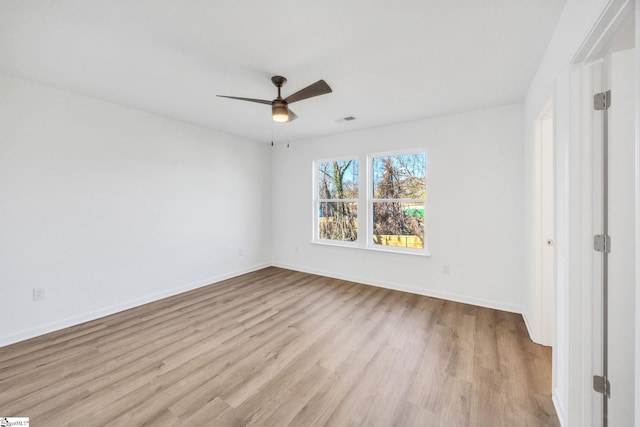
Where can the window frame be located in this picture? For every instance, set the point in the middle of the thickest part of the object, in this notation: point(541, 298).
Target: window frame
point(370, 200)
point(365, 202)
point(316, 200)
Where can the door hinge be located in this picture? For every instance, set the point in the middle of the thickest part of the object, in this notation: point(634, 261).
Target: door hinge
point(602, 385)
point(602, 243)
point(602, 100)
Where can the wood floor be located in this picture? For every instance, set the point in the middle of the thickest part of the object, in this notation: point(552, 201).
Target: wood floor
point(278, 348)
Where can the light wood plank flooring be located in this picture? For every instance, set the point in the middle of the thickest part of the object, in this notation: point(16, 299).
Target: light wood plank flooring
point(277, 348)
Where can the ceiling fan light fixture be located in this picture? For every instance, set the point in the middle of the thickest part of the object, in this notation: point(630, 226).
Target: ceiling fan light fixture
point(280, 113)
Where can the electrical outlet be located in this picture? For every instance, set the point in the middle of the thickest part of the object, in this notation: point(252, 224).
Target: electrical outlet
point(445, 269)
point(39, 294)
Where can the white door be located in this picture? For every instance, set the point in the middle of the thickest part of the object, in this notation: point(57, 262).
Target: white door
point(617, 74)
point(622, 231)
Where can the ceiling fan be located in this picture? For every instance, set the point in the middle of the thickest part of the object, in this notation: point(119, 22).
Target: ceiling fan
point(280, 111)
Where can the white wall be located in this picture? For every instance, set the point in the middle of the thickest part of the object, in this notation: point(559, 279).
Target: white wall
point(473, 218)
point(108, 207)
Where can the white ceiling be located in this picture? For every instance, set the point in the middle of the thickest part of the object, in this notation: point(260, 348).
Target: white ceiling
point(387, 62)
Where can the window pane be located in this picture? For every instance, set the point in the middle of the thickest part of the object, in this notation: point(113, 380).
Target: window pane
point(401, 176)
point(398, 224)
point(338, 180)
point(338, 221)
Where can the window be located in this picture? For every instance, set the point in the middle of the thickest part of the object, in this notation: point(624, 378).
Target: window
point(336, 200)
point(397, 200)
point(393, 206)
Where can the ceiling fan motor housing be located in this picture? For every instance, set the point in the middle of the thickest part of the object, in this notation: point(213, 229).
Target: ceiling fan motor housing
point(279, 111)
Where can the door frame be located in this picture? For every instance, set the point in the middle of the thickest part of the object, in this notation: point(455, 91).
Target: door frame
point(637, 346)
point(576, 218)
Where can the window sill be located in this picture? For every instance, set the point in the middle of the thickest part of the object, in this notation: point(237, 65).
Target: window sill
point(370, 249)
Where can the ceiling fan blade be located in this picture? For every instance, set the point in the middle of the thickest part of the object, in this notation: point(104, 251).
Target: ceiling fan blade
point(292, 116)
point(318, 88)
point(260, 101)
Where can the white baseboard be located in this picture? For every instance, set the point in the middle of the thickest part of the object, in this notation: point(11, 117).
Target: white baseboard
point(86, 317)
point(529, 330)
point(559, 409)
point(107, 311)
point(419, 291)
